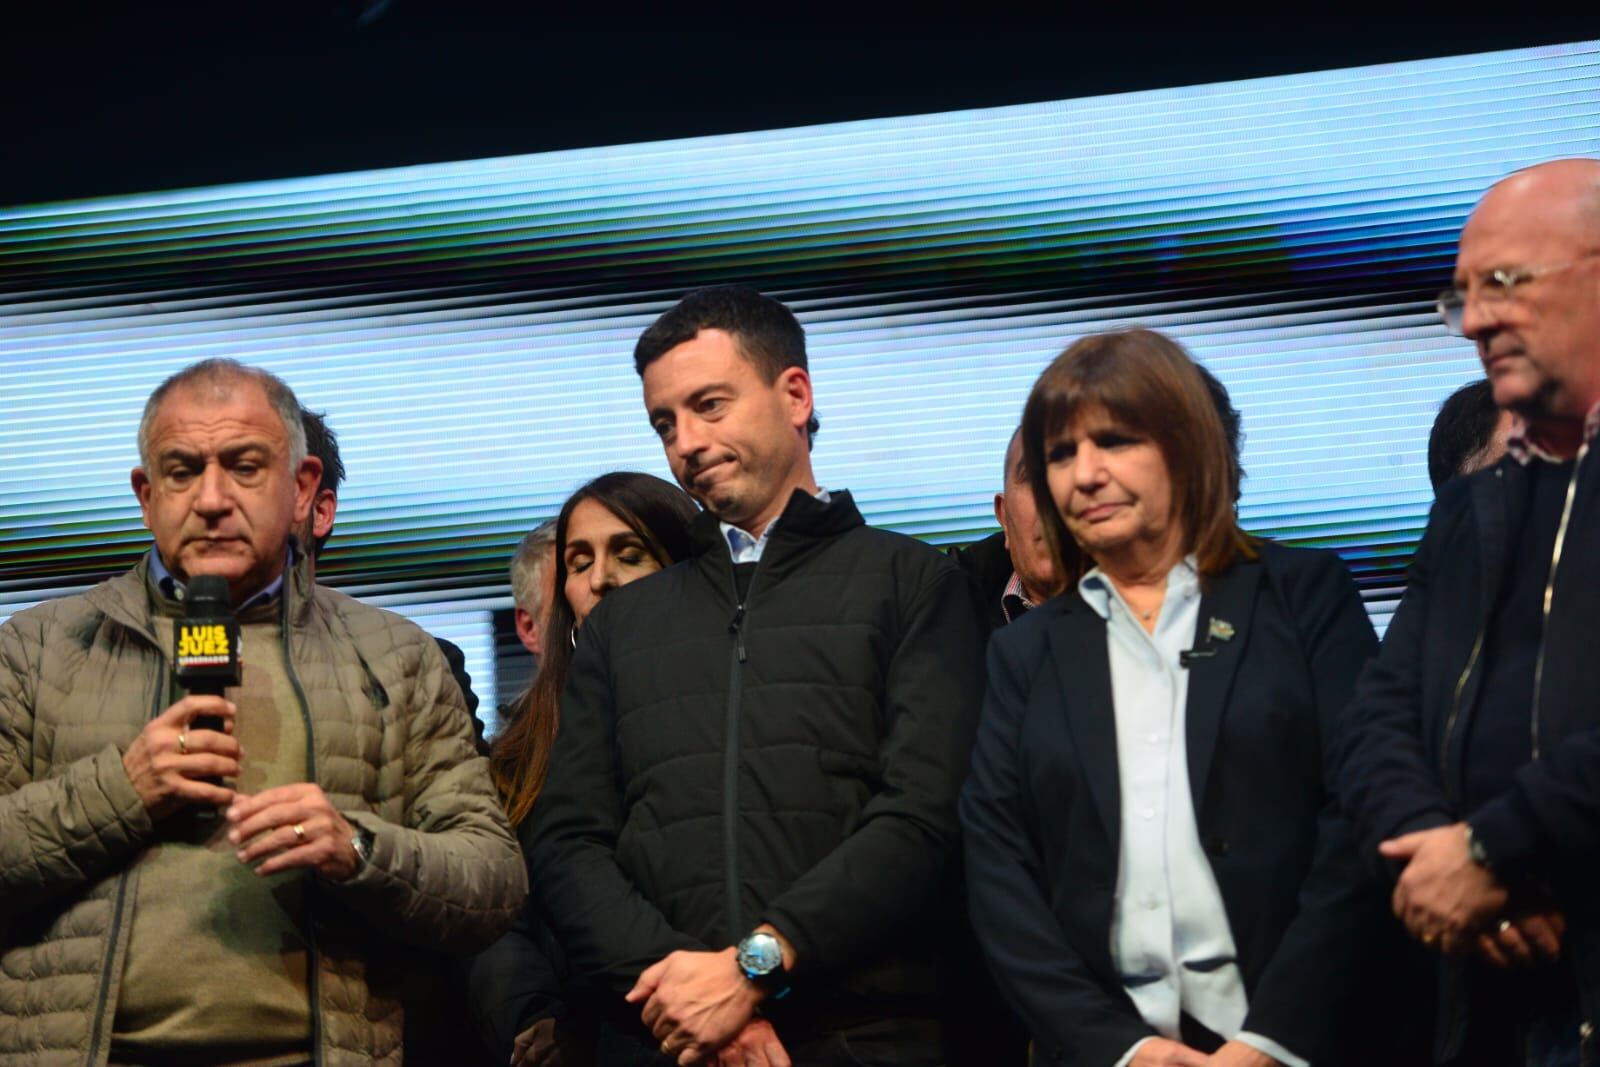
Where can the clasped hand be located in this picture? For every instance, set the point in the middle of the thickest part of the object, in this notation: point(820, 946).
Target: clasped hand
point(702, 1009)
point(1160, 1052)
point(1450, 902)
point(173, 765)
point(293, 826)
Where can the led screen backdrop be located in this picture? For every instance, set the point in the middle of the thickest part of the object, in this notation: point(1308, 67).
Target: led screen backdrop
point(467, 327)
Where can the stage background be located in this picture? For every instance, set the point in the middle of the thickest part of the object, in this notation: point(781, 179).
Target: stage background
point(467, 327)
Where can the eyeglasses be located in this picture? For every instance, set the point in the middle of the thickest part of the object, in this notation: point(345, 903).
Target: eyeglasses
point(1495, 287)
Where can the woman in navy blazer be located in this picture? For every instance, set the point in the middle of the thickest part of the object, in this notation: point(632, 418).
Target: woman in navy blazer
point(1235, 924)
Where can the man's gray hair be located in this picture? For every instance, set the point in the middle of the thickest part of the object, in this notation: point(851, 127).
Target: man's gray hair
point(531, 556)
point(221, 375)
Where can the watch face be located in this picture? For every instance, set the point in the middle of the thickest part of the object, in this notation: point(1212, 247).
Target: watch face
point(760, 954)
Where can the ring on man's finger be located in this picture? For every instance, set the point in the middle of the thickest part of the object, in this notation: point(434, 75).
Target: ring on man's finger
point(1505, 924)
point(299, 833)
point(1429, 938)
point(183, 742)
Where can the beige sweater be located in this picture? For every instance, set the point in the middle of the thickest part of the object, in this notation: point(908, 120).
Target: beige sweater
point(217, 955)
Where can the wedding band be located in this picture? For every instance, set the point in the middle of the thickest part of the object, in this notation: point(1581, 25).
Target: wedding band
point(664, 1051)
point(183, 742)
point(1505, 924)
point(300, 833)
point(1429, 938)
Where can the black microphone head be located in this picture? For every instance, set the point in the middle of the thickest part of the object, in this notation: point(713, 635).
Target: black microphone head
point(206, 658)
point(207, 594)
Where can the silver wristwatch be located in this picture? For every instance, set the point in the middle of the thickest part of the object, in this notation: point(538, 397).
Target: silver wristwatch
point(760, 959)
point(1476, 851)
point(361, 841)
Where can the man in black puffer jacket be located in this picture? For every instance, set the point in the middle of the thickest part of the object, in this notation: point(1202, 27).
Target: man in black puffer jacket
point(749, 825)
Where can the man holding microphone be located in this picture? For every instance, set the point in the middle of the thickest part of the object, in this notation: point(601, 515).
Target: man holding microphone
point(233, 878)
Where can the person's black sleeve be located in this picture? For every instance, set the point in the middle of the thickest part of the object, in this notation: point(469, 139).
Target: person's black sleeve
point(987, 565)
point(1548, 822)
point(1387, 784)
point(881, 876)
point(1073, 1017)
point(1313, 988)
point(513, 984)
point(609, 931)
point(457, 661)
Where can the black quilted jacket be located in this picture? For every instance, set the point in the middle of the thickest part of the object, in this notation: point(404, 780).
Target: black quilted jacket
point(794, 759)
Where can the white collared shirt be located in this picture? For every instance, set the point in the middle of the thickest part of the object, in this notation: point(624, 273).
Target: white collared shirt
point(746, 548)
point(1170, 938)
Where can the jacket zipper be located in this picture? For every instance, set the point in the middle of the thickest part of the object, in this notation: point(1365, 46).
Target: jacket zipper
point(313, 990)
point(730, 766)
point(1455, 700)
point(1550, 590)
point(1461, 685)
point(116, 911)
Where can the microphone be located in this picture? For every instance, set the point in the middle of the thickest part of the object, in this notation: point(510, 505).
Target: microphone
point(206, 659)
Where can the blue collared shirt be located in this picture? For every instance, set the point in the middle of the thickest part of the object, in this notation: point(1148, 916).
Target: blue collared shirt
point(173, 589)
point(1169, 929)
point(747, 548)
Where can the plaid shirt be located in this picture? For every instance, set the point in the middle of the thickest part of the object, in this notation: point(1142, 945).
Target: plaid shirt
point(1524, 451)
point(1014, 602)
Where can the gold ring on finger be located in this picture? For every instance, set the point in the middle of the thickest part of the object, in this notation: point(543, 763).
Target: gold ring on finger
point(1429, 938)
point(1505, 924)
point(183, 742)
point(300, 833)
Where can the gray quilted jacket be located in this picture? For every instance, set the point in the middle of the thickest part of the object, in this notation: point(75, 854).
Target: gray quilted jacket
point(390, 743)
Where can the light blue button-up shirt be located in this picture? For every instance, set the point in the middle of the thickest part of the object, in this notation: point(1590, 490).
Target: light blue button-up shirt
point(1170, 938)
point(748, 549)
point(169, 585)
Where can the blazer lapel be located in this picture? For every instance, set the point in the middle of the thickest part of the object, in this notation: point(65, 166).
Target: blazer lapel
point(1083, 678)
point(1221, 634)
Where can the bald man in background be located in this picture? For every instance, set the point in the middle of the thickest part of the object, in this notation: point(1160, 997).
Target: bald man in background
point(1011, 571)
point(1472, 762)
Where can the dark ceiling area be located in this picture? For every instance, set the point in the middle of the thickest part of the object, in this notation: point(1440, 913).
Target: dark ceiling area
point(150, 96)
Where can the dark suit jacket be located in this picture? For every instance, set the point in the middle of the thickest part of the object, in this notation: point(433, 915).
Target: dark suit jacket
point(987, 566)
point(1403, 767)
point(1041, 812)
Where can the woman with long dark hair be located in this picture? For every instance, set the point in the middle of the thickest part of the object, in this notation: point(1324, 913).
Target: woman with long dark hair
point(616, 529)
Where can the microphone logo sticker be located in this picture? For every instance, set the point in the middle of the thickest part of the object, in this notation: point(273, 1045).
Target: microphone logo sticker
point(204, 645)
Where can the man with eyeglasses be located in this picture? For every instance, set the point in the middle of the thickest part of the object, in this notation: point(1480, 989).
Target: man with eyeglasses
point(1472, 755)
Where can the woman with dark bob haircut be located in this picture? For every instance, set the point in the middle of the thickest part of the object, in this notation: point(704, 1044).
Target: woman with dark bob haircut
point(1157, 870)
point(614, 530)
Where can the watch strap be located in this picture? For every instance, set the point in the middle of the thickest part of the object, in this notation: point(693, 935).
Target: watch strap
point(1476, 851)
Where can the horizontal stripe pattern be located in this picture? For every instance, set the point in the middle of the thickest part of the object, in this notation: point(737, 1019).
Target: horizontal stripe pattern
point(468, 327)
